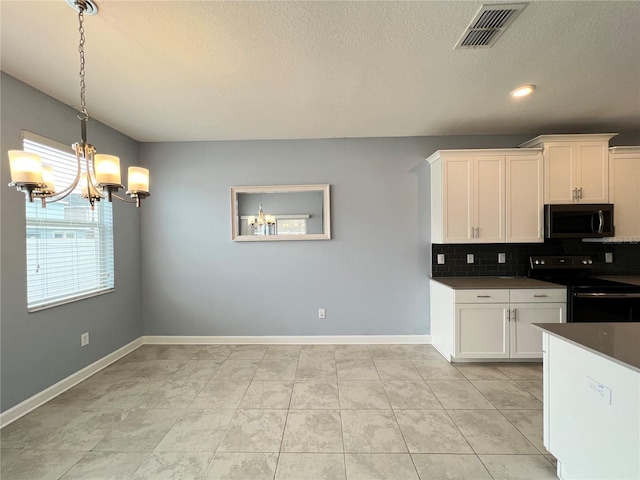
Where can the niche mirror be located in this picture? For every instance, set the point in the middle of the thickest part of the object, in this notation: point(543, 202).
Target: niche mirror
point(280, 212)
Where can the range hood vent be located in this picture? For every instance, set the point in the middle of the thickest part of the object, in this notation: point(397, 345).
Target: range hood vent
point(488, 24)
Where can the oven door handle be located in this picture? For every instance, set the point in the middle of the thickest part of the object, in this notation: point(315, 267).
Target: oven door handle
point(607, 295)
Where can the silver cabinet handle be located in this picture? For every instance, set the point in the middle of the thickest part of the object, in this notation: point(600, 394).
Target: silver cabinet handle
point(515, 318)
point(580, 193)
point(540, 296)
point(477, 232)
point(484, 296)
point(472, 236)
point(508, 313)
point(575, 194)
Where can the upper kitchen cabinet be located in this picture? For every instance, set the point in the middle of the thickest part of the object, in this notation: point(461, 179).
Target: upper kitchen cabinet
point(524, 202)
point(486, 196)
point(576, 167)
point(624, 190)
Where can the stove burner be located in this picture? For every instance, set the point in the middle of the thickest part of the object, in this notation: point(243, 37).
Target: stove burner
point(589, 299)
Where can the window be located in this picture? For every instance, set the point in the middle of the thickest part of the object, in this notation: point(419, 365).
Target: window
point(69, 246)
point(291, 226)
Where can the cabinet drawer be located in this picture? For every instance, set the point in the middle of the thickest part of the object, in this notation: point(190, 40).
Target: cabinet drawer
point(482, 296)
point(542, 295)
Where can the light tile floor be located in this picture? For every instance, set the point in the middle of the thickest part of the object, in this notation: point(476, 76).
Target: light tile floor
point(252, 412)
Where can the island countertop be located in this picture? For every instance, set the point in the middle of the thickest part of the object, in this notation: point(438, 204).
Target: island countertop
point(620, 342)
point(462, 283)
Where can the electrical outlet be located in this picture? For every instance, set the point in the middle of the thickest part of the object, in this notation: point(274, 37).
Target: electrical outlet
point(441, 259)
point(502, 258)
point(608, 257)
point(599, 390)
point(469, 257)
point(84, 339)
point(321, 313)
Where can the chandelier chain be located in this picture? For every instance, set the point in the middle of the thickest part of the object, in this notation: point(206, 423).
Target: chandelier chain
point(82, 115)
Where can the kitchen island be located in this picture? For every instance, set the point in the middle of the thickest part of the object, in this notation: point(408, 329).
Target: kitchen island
point(592, 399)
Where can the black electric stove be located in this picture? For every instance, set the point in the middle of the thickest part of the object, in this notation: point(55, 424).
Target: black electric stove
point(589, 299)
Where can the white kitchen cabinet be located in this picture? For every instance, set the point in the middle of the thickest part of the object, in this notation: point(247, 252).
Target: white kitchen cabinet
point(482, 330)
point(524, 340)
point(624, 191)
point(576, 167)
point(489, 198)
point(486, 196)
point(492, 324)
point(524, 198)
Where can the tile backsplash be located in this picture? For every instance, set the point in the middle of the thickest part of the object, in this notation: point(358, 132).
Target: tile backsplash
point(626, 257)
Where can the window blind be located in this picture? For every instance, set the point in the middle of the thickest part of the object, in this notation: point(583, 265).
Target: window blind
point(69, 246)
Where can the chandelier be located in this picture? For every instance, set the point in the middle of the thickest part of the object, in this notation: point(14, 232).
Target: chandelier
point(262, 224)
point(101, 178)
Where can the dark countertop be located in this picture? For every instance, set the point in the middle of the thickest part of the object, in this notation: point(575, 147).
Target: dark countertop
point(619, 342)
point(463, 283)
point(623, 279)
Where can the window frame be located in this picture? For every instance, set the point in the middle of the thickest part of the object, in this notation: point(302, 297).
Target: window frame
point(98, 276)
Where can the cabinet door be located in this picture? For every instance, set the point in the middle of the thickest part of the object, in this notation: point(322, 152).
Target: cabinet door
point(457, 178)
point(525, 341)
point(559, 165)
point(482, 331)
point(592, 175)
point(524, 199)
point(489, 199)
point(624, 193)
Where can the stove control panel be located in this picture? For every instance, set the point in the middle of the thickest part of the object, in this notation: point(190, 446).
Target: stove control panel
point(557, 262)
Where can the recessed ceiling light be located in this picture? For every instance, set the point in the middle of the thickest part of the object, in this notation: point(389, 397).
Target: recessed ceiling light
point(523, 91)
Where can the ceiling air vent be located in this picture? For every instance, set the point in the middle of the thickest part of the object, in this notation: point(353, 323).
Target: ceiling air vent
point(488, 24)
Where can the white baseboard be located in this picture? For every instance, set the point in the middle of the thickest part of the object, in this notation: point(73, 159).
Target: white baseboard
point(297, 340)
point(44, 396)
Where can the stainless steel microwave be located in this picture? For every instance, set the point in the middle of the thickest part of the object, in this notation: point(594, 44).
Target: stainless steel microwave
point(579, 220)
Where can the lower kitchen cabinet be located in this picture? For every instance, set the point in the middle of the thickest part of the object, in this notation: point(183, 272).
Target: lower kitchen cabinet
point(482, 330)
point(524, 340)
point(492, 324)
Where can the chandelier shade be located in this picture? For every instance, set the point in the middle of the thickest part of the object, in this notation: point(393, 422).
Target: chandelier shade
point(88, 190)
point(26, 168)
point(107, 169)
point(138, 180)
point(47, 179)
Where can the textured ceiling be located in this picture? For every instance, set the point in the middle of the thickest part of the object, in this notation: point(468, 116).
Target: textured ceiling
point(199, 70)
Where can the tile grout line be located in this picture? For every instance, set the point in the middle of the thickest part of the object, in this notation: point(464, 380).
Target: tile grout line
point(344, 450)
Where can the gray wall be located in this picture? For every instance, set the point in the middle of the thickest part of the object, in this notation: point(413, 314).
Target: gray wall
point(371, 277)
point(39, 349)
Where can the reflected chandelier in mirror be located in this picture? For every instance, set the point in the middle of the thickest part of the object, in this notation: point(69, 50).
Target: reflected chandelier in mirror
point(280, 212)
